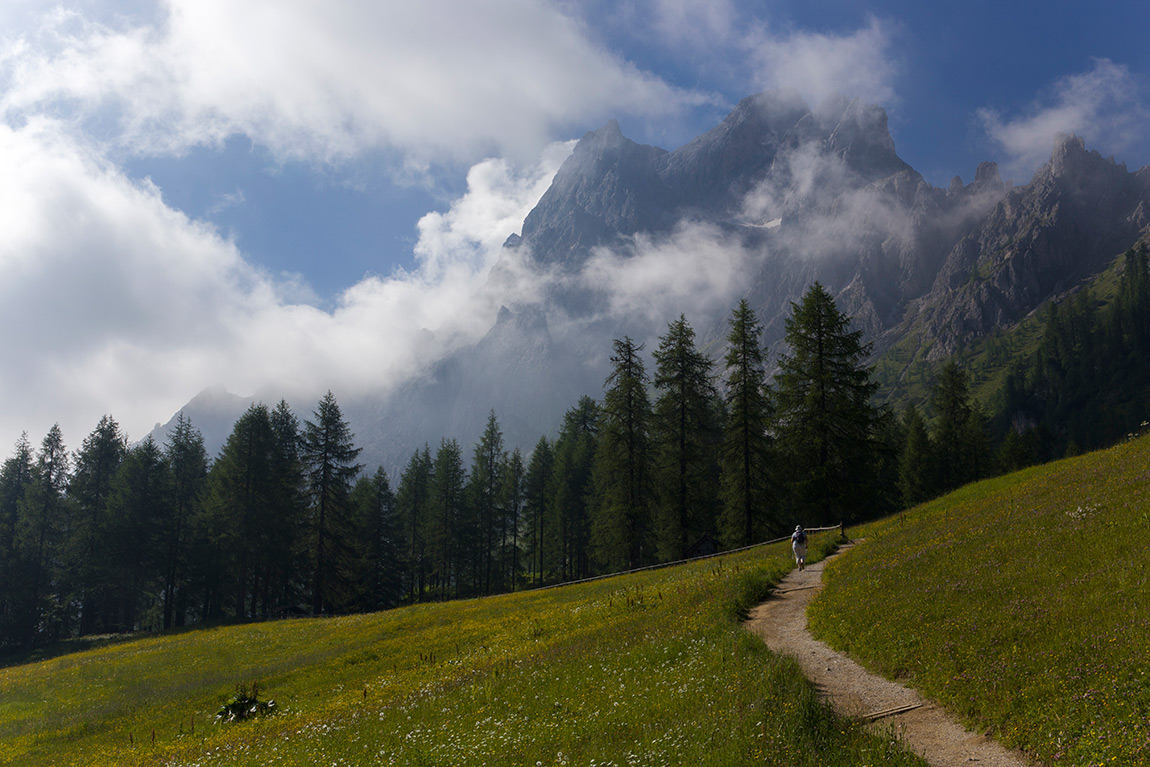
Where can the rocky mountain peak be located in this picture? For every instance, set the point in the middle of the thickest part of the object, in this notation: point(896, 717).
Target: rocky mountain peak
point(986, 176)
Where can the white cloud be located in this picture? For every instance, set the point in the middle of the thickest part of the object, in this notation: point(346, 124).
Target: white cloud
point(819, 65)
point(117, 304)
point(471, 233)
point(330, 79)
point(1105, 105)
point(690, 271)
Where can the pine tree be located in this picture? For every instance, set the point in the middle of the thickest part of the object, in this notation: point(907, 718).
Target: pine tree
point(188, 462)
point(413, 507)
point(445, 532)
point(621, 527)
point(15, 478)
point(137, 511)
point(960, 441)
point(686, 433)
point(239, 517)
point(484, 486)
point(825, 418)
point(328, 453)
point(916, 464)
point(745, 488)
point(379, 584)
point(90, 552)
point(511, 498)
point(39, 532)
point(566, 533)
point(535, 497)
point(285, 556)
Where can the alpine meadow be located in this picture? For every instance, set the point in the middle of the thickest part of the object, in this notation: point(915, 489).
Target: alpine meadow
point(454, 383)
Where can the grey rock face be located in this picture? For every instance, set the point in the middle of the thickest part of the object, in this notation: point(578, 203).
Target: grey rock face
point(795, 195)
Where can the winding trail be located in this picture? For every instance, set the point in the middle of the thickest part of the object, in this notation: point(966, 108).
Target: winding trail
point(856, 693)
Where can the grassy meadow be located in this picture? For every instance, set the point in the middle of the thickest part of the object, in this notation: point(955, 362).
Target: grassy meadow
point(1022, 603)
point(646, 669)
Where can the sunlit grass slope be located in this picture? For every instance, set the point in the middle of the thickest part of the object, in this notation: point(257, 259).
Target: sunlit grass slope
point(647, 669)
point(1022, 603)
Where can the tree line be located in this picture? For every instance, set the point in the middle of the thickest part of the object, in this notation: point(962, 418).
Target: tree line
point(679, 460)
point(1088, 381)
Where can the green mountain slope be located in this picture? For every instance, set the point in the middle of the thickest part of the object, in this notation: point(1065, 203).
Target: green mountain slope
point(647, 669)
point(1022, 603)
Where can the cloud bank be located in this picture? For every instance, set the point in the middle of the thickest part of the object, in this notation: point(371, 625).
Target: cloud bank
point(1105, 104)
point(118, 304)
point(127, 306)
point(329, 80)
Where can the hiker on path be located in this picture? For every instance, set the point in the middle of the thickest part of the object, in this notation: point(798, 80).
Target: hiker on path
point(799, 546)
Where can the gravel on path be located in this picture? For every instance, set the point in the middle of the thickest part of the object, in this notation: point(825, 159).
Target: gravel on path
point(854, 692)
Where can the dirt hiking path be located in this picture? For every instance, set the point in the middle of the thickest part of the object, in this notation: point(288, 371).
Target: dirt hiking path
point(856, 693)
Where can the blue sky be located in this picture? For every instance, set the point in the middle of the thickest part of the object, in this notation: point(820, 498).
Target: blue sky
point(199, 192)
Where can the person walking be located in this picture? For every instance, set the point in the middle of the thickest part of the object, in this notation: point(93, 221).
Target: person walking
point(799, 546)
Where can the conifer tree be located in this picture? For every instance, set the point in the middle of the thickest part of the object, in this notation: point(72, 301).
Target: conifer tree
point(484, 486)
point(916, 464)
point(686, 432)
point(825, 420)
point(413, 508)
point(328, 453)
point(959, 439)
point(745, 487)
point(539, 470)
point(566, 535)
point(15, 478)
point(188, 463)
point(512, 495)
point(621, 527)
point(379, 585)
point(445, 518)
point(138, 510)
point(239, 517)
point(90, 552)
point(285, 542)
point(39, 530)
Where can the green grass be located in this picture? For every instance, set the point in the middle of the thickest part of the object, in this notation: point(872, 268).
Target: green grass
point(647, 669)
point(1022, 603)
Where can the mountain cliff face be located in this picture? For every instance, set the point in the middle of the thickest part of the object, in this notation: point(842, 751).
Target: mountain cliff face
point(1079, 211)
point(776, 196)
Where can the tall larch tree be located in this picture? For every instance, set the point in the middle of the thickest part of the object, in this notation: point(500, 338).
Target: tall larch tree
point(484, 485)
point(286, 555)
point(567, 523)
point(40, 523)
point(539, 469)
point(825, 420)
point(961, 447)
point(621, 527)
point(413, 506)
point(188, 463)
point(686, 432)
point(511, 500)
point(329, 457)
point(377, 567)
point(138, 511)
point(15, 478)
point(239, 517)
point(447, 509)
point(916, 463)
point(90, 553)
point(749, 511)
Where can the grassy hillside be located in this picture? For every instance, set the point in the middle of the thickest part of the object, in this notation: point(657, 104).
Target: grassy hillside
point(1022, 603)
point(647, 669)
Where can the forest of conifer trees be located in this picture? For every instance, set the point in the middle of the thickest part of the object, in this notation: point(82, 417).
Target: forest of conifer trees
point(680, 459)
